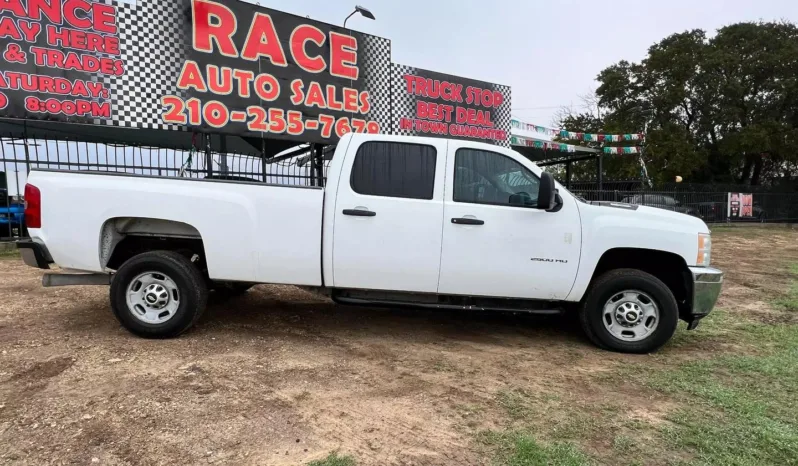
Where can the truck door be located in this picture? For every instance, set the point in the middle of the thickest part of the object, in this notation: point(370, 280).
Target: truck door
point(495, 243)
point(388, 215)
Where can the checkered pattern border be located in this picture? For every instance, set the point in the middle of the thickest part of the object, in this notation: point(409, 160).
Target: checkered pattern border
point(503, 116)
point(403, 104)
point(154, 41)
point(375, 55)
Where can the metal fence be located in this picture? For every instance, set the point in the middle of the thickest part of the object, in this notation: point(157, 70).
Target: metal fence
point(18, 156)
point(304, 167)
point(712, 207)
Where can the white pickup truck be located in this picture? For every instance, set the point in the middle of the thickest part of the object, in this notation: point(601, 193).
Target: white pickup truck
point(402, 221)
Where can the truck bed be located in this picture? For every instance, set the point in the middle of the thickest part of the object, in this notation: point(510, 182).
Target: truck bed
point(250, 231)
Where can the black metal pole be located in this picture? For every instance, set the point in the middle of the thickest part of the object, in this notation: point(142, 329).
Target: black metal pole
point(600, 171)
point(208, 155)
point(223, 153)
point(568, 175)
point(318, 164)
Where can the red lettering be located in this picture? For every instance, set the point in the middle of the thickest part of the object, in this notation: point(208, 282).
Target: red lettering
point(315, 96)
point(30, 30)
point(8, 28)
point(462, 115)
point(343, 56)
point(51, 9)
point(297, 92)
point(72, 61)
point(350, 100)
point(409, 79)
point(71, 8)
point(267, 87)
point(219, 32)
point(299, 39)
point(220, 81)
point(57, 36)
point(14, 6)
point(104, 18)
point(244, 79)
point(262, 41)
point(46, 85)
point(365, 102)
point(111, 45)
point(191, 77)
point(498, 99)
point(333, 104)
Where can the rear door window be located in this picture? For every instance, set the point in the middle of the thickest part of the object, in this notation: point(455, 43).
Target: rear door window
point(394, 169)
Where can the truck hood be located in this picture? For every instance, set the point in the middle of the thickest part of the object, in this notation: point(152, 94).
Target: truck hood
point(658, 218)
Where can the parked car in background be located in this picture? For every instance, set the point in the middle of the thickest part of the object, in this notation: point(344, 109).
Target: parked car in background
point(660, 201)
point(12, 214)
point(714, 212)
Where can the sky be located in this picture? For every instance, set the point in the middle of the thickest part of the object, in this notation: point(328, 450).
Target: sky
point(550, 52)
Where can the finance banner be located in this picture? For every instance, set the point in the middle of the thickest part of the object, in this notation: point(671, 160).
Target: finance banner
point(226, 66)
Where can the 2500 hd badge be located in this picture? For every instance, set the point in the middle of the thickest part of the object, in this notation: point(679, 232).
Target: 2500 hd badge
point(557, 261)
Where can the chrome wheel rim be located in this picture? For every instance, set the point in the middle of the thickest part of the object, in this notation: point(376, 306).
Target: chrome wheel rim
point(153, 297)
point(630, 315)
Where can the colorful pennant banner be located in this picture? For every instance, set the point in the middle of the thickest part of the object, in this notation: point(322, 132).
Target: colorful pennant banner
point(574, 136)
point(622, 150)
point(545, 145)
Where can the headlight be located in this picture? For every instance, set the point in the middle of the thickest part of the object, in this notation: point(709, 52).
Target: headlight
point(704, 250)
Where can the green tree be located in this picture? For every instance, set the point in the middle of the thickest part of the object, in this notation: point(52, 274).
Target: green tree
point(719, 109)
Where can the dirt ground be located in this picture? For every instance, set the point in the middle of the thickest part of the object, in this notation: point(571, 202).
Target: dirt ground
point(281, 377)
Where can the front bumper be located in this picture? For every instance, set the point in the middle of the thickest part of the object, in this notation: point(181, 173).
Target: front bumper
point(707, 283)
point(34, 254)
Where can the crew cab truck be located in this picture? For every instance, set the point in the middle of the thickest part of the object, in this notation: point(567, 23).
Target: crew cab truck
point(402, 221)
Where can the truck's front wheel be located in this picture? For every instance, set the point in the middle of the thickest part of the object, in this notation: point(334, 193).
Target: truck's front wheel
point(158, 294)
point(629, 311)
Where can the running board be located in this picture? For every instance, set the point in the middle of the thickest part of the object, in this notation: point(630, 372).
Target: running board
point(75, 279)
point(415, 305)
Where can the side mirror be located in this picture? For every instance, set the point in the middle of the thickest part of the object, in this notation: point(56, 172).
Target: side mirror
point(548, 194)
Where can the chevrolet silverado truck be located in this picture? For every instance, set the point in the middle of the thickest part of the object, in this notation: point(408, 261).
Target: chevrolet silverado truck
point(402, 221)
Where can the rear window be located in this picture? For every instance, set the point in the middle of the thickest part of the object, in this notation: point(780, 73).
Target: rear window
point(394, 169)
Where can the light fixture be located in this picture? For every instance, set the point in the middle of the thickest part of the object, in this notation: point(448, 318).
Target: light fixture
point(365, 12)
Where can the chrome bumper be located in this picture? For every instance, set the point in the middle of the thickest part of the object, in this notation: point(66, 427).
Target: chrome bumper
point(707, 283)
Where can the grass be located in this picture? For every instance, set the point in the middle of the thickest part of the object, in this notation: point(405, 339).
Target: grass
point(334, 460)
point(521, 449)
point(789, 302)
point(9, 254)
point(738, 410)
point(738, 407)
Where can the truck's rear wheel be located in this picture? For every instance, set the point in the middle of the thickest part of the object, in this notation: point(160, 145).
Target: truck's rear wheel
point(158, 294)
point(629, 311)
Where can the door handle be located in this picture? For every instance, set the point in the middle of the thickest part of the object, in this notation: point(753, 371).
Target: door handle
point(467, 221)
point(359, 213)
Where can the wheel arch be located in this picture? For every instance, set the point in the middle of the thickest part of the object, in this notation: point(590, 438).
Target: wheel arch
point(668, 267)
point(124, 237)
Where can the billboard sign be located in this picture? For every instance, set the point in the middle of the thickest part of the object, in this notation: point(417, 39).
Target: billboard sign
point(228, 67)
point(428, 103)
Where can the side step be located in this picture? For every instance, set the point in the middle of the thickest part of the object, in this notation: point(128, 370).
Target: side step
point(423, 301)
point(72, 279)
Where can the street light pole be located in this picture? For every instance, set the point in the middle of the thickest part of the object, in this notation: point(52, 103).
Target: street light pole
point(365, 12)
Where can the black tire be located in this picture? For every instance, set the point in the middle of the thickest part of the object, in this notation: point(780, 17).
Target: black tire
point(191, 286)
point(614, 282)
point(230, 289)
